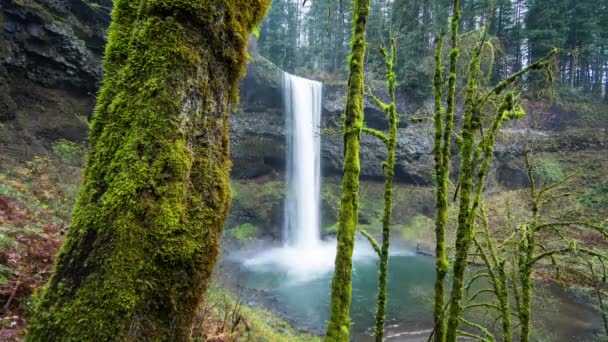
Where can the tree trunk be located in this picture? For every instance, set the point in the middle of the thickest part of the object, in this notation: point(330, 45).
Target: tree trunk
point(526, 284)
point(441, 176)
point(391, 111)
point(606, 85)
point(526, 256)
point(338, 327)
point(503, 297)
point(146, 227)
point(465, 227)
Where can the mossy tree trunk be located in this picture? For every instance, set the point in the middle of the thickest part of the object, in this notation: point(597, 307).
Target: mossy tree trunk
point(390, 141)
point(496, 273)
point(444, 123)
point(389, 169)
point(534, 245)
point(338, 327)
point(146, 227)
point(475, 162)
point(441, 202)
point(465, 181)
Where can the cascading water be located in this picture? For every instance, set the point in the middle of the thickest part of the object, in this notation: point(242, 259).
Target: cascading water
point(303, 255)
point(302, 99)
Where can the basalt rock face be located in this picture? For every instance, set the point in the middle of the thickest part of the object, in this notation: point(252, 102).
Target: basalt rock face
point(258, 133)
point(50, 64)
point(50, 67)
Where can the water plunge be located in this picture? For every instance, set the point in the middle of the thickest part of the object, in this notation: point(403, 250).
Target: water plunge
point(295, 278)
point(299, 272)
point(303, 255)
point(302, 99)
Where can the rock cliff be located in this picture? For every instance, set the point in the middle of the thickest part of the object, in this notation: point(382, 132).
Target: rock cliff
point(50, 65)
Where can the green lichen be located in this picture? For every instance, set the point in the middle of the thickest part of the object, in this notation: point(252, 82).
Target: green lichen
point(338, 327)
point(389, 174)
point(471, 187)
point(441, 177)
point(549, 170)
point(146, 227)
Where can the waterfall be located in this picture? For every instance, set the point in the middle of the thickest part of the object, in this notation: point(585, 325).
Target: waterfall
point(303, 255)
point(302, 98)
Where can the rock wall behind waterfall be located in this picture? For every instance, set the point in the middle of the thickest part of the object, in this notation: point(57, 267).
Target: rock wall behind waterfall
point(50, 65)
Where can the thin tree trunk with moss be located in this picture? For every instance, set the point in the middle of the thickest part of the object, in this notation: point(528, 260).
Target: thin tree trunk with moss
point(389, 168)
point(529, 242)
point(441, 178)
point(338, 327)
point(463, 233)
point(526, 249)
point(146, 227)
point(497, 274)
point(470, 156)
point(442, 154)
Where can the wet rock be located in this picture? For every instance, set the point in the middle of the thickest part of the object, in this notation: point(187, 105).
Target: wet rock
point(511, 172)
point(50, 68)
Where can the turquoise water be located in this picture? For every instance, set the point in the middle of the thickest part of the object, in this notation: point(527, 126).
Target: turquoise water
point(306, 300)
point(297, 286)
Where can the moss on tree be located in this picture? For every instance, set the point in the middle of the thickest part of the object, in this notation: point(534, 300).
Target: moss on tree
point(146, 227)
point(338, 327)
point(390, 141)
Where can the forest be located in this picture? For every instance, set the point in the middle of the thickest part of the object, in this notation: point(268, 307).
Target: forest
point(304, 170)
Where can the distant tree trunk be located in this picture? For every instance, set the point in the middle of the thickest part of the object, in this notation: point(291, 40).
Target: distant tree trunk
point(146, 227)
point(336, 59)
point(293, 31)
point(606, 85)
point(338, 327)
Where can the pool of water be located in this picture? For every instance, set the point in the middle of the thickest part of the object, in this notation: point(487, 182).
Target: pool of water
point(302, 293)
point(297, 285)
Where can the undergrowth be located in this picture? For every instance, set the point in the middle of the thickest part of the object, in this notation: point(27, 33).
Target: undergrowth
point(36, 198)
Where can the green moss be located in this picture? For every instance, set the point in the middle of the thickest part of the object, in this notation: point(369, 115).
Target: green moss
point(243, 233)
point(145, 232)
point(419, 226)
point(338, 326)
point(548, 170)
point(263, 325)
point(596, 196)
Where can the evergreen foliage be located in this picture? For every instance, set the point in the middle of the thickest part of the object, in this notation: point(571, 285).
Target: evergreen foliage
point(522, 31)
